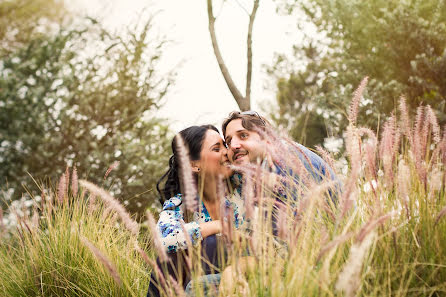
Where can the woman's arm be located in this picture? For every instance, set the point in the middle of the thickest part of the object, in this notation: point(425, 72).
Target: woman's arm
point(175, 233)
point(210, 228)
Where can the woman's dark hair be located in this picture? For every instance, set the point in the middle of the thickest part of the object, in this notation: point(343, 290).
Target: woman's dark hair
point(193, 138)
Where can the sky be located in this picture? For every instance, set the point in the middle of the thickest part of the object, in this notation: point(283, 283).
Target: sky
point(199, 94)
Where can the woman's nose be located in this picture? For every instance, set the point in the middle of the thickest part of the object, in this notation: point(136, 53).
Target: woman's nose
point(224, 151)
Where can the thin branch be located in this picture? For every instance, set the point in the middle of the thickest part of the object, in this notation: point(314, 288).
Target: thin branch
point(241, 101)
point(249, 50)
point(242, 7)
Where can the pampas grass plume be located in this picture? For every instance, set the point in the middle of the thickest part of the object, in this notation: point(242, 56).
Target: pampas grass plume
point(113, 166)
point(156, 237)
point(354, 106)
point(61, 188)
point(129, 223)
point(188, 184)
point(103, 259)
point(74, 182)
point(349, 279)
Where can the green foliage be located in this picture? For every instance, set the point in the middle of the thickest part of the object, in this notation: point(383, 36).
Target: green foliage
point(45, 256)
point(23, 20)
point(86, 98)
point(400, 45)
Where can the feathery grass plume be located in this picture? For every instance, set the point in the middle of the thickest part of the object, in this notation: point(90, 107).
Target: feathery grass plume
point(179, 291)
point(388, 147)
point(113, 166)
point(61, 188)
point(353, 147)
point(326, 156)
point(432, 118)
point(129, 223)
point(440, 215)
point(187, 180)
point(188, 258)
point(420, 143)
point(435, 180)
point(420, 134)
point(248, 196)
point(442, 147)
point(370, 149)
point(92, 206)
point(35, 219)
point(404, 185)
point(103, 259)
point(159, 274)
point(74, 182)
point(142, 253)
point(334, 243)
point(156, 237)
point(349, 279)
point(227, 223)
point(405, 122)
point(67, 177)
point(372, 224)
point(354, 105)
point(2, 225)
point(282, 222)
point(42, 199)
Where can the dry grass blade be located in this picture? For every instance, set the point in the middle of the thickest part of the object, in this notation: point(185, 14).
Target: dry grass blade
point(129, 223)
point(103, 259)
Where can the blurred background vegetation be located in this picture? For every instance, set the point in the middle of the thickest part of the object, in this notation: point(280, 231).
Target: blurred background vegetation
point(400, 45)
point(72, 92)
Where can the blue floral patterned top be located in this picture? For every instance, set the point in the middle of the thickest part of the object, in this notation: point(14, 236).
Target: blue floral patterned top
point(173, 229)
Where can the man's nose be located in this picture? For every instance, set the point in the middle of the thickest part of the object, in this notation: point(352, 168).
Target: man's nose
point(235, 144)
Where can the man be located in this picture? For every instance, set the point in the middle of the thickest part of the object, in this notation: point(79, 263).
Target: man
point(247, 137)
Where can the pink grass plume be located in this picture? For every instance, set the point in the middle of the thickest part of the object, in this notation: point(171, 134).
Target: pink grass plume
point(103, 259)
point(354, 106)
point(157, 238)
point(61, 188)
point(74, 182)
point(187, 180)
point(112, 167)
point(110, 201)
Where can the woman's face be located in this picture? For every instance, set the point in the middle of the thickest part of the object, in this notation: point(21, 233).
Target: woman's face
point(214, 156)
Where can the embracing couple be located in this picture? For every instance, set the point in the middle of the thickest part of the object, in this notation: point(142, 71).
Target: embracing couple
point(247, 144)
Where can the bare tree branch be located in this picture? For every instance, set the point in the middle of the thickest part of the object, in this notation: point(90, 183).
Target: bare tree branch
point(249, 50)
point(242, 102)
point(242, 7)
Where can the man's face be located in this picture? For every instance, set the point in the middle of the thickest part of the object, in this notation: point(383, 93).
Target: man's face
point(244, 146)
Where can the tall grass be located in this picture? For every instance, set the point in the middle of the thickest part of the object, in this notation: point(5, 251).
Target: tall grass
point(74, 246)
point(383, 235)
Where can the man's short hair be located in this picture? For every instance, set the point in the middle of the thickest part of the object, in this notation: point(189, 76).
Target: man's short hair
point(251, 120)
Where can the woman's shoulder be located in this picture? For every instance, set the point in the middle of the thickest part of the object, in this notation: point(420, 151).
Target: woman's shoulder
point(173, 202)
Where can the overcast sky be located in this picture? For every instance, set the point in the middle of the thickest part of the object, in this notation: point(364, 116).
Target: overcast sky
point(200, 94)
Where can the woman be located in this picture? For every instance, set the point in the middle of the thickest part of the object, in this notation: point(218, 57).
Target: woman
point(209, 163)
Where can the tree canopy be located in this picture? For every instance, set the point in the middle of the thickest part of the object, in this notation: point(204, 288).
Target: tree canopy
point(87, 98)
point(400, 45)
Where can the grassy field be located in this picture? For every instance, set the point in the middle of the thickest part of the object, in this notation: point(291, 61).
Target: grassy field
point(385, 235)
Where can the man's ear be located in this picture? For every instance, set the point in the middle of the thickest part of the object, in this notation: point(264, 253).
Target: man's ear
point(195, 166)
